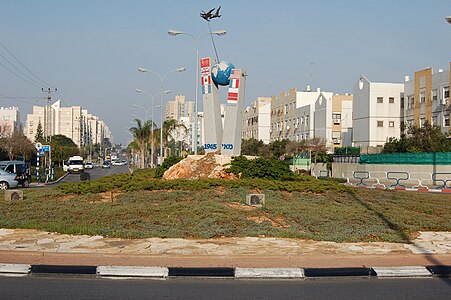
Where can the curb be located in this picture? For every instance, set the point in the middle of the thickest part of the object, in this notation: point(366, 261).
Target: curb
point(238, 273)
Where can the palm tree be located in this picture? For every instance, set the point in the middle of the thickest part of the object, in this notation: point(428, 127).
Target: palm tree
point(141, 133)
point(171, 129)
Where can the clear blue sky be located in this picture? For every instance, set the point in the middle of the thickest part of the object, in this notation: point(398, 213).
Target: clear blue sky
point(91, 49)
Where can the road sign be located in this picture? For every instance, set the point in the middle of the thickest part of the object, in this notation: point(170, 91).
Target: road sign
point(45, 148)
point(38, 146)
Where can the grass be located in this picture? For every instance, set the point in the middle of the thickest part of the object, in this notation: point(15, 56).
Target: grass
point(137, 206)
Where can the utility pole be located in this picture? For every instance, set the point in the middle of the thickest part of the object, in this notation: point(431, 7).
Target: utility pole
point(48, 115)
point(48, 130)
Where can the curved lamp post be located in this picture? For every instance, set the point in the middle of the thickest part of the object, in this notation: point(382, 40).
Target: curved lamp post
point(153, 105)
point(161, 97)
point(174, 32)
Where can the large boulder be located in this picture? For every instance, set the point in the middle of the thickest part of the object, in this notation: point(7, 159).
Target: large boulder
point(199, 167)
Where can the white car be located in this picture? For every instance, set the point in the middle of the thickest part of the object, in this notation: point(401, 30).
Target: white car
point(89, 165)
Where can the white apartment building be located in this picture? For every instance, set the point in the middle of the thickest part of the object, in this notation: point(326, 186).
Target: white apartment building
point(9, 121)
point(333, 119)
point(376, 112)
point(257, 120)
point(73, 122)
point(426, 99)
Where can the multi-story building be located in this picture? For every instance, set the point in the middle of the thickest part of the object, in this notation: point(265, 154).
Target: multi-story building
point(178, 108)
point(426, 99)
point(73, 122)
point(182, 111)
point(9, 121)
point(376, 112)
point(333, 119)
point(257, 120)
point(286, 119)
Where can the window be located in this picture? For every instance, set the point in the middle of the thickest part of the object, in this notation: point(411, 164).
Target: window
point(422, 96)
point(434, 95)
point(446, 120)
point(391, 124)
point(434, 120)
point(380, 99)
point(336, 116)
point(336, 134)
point(422, 122)
point(446, 92)
point(391, 100)
point(380, 123)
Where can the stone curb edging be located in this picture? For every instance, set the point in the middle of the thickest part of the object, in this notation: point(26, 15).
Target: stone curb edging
point(240, 273)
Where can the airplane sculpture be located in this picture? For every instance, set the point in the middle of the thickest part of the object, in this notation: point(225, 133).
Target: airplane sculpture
point(207, 16)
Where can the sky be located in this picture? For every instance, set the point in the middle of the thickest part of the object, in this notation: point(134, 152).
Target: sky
point(90, 50)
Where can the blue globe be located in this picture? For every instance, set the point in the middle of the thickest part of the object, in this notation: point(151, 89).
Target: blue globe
point(220, 72)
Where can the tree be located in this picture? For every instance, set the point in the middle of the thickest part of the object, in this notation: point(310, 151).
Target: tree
point(318, 146)
point(293, 148)
point(17, 145)
point(170, 130)
point(39, 136)
point(426, 139)
point(251, 147)
point(277, 148)
point(62, 148)
point(141, 133)
point(25, 147)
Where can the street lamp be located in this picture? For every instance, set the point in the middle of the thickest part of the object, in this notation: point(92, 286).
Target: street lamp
point(153, 105)
point(161, 98)
point(174, 32)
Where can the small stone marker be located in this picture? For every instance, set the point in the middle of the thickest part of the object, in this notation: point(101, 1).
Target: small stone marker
point(85, 176)
point(13, 195)
point(255, 199)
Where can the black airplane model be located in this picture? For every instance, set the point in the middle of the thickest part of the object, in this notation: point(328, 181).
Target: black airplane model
point(207, 16)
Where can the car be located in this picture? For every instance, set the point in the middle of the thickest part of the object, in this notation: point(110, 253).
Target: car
point(116, 162)
point(8, 180)
point(106, 164)
point(89, 165)
point(20, 168)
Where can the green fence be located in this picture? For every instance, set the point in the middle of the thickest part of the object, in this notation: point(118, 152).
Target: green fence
point(437, 158)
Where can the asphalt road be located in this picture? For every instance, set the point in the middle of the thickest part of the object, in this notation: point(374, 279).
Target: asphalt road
point(97, 172)
point(33, 287)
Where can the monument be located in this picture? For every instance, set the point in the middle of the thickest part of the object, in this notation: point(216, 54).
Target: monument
point(227, 140)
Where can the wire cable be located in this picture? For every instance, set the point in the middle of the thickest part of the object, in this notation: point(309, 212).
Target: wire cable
point(29, 82)
point(10, 53)
point(213, 41)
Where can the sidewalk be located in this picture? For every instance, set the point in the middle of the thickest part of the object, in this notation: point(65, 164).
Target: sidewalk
point(25, 246)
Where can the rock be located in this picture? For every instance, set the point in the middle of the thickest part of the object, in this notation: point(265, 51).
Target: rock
point(206, 166)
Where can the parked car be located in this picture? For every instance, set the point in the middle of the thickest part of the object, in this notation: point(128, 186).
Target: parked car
point(20, 168)
point(106, 164)
point(89, 165)
point(8, 180)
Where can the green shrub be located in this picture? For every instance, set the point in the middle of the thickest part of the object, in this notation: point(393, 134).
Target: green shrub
point(260, 168)
point(168, 162)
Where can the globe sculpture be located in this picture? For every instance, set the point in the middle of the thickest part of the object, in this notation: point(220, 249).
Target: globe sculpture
point(221, 71)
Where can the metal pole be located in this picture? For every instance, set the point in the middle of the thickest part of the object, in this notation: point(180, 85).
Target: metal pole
point(161, 116)
point(196, 121)
point(151, 142)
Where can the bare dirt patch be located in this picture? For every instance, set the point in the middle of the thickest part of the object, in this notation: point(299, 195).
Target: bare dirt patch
point(237, 205)
point(276, 222)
